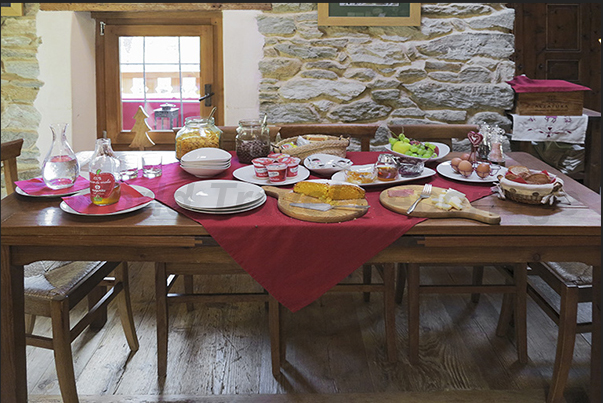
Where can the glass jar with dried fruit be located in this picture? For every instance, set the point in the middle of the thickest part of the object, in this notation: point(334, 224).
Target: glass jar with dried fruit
point(252, 140)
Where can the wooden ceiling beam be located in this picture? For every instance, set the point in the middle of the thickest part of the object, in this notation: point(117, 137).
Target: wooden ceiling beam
point(153, 6)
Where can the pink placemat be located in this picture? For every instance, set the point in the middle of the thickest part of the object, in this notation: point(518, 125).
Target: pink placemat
point(129, 198)
point(525, 84)
point(298, 261)
point(37, 187)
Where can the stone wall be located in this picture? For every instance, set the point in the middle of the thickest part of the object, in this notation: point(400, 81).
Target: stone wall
point(451, 69)
point(20, 87)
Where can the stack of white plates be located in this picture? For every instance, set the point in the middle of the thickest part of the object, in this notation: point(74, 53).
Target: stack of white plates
point(206, 162)
point(220, 196)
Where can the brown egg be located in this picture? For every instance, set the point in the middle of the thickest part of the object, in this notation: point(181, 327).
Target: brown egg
point(454, 163)
point(483, 170)
point(466, 156)
point(465, 168)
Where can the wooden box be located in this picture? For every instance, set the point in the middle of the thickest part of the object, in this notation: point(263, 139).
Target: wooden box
point(567, 103)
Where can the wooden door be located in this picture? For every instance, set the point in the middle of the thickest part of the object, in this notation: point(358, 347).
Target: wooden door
point(560, 42)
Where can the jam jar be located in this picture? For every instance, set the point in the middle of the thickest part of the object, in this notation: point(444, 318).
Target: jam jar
point(252, 140)
point(197, 133)
point(387, 167)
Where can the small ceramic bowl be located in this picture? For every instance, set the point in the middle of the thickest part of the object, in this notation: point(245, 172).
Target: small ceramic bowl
point(326, 164)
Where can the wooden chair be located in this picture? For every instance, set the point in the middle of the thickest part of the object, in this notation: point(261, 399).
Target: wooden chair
point(167, 273)
point(514, 280)
point(53, 288)
point(572, 282)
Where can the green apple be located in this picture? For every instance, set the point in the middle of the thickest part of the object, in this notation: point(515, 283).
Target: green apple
point(401, 147)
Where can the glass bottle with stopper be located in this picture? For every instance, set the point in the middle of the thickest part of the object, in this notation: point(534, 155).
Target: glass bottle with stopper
point(105, 183)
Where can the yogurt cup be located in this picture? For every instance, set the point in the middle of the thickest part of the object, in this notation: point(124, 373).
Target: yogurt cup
point(292, 166)
point(260, 164)
point(277, 172)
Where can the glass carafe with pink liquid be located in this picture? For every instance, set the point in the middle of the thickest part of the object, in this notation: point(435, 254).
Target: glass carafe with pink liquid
point(60, 168)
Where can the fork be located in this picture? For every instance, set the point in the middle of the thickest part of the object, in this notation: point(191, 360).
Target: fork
point(425, 193)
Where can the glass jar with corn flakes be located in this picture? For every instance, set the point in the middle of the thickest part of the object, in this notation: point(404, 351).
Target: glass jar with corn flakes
point(197, 133)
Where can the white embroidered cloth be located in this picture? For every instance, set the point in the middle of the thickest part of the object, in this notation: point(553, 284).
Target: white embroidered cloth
point(565, 129)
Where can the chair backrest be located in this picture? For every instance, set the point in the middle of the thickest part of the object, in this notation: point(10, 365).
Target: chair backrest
point(363, 132)
point(435, 132)
point(10, 151)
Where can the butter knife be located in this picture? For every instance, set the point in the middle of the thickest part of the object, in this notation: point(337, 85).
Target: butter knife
point(327, 207)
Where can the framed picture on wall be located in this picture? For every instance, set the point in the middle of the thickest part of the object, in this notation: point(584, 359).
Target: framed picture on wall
point(369, 14)
point(12, 9)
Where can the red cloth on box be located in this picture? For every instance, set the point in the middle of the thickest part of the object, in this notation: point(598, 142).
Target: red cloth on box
point(298, 261)
point(37, 187)
point(525, 84)
point(129, 198)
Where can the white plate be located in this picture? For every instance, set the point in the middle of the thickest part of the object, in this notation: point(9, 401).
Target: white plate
point(67, 193)
point(443, 150)
point(247, 174)
point(427, 172)
point(233, 210)
point(328, 163)
point(143, 191)
point(446, 170)
point(212, 194)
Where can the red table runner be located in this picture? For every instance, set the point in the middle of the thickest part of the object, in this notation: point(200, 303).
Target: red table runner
point(298, 261)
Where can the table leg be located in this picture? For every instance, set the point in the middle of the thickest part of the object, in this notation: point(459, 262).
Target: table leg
point(595, 357)
point(14, 374)
point(277, 343)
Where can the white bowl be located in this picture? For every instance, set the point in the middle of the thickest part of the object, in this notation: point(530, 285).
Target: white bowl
point(206, 154)
point(205, 165)
point(326, 164)
point(202, 172)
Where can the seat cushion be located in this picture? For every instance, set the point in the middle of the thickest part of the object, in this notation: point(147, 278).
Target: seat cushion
point(55, 279)
point(573, 272)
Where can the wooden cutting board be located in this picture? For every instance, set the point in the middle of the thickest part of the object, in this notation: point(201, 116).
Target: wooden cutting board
point(287, 196)
point(427, 209)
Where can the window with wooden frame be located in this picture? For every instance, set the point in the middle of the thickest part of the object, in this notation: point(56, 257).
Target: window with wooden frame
point(168, 63)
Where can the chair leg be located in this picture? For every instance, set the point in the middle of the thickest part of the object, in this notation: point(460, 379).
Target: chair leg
point(63, 359)
point(366, 277)
point(277, 342)
point(189, 289)
point(413, 278)
point(520, 275)
point(400, 282)
point(124, 306)
point(162, 318)
point(30, 322)
point(568, 317)
point(389, 310)
point(506, 315)
point(477, 279)
point(93, 297)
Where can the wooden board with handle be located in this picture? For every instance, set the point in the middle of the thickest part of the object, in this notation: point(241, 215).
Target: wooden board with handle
point(287, 196)
point(427, 209)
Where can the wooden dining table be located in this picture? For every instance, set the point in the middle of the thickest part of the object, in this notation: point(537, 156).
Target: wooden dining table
point(37, 229)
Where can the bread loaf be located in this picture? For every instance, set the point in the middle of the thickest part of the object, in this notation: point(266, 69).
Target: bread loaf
point(328, 190)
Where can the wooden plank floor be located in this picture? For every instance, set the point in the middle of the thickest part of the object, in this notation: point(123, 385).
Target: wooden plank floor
point(335, 351)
